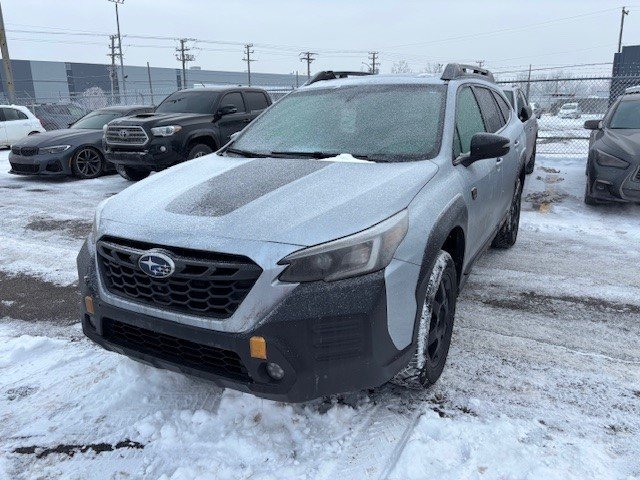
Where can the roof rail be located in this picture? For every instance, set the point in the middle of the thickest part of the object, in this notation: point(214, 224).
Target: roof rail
point(458, 70)
point(333, 75)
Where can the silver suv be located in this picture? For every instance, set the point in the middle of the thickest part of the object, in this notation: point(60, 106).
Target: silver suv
point(323, 249)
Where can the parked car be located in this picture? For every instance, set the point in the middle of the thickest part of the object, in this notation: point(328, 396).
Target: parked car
point(76, 150)
point(55, 116)
point(570, 110)
point(613, 164)
point(17, 122)
point(525, 113)
point(322, 250)
point(187, 124)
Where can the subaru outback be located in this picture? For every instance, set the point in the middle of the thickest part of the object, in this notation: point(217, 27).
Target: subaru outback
point(323, 249)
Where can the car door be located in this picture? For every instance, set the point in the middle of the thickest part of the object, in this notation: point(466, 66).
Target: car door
point(232, 122)
point(16, 127)
point(256, 103)
point(530, 125)
point(481, 178)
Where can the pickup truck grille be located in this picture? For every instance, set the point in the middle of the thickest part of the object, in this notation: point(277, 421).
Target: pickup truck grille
point(126, 135)
point(204, 284)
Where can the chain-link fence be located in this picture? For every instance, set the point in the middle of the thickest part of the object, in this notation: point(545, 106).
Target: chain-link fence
point(57, 113)
point(563, 104)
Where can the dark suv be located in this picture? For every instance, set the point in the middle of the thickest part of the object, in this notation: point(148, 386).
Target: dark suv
point(187, 124)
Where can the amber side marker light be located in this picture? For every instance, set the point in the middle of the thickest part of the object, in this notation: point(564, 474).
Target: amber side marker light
point(258, 347)
point(88, 303)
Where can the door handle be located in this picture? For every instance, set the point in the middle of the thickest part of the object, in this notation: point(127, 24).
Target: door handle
point(499, 161)
point(516, 143)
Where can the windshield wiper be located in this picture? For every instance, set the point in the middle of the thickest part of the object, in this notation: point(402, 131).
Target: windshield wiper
point(245, 153)
point(318, 155)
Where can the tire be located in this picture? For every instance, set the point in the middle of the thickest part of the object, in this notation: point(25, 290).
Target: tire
point(508, 233)
point(588, 199)
point(199, 150)
point(532, 161)
point(87, 163)
point(435, 326)
point(132, 174)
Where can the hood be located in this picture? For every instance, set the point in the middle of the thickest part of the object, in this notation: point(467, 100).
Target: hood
point(623, 143)
point(293, 201)
point(67, 136)
point(158, 119)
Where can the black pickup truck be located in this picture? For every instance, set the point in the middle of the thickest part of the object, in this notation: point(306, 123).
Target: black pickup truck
point(187, 124)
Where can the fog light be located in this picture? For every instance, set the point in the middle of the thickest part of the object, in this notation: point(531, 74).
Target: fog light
point(163, 149)
point(275, 371)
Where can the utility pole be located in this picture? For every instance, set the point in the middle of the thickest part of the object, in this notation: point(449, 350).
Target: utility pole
point(112, 69)
point(373, 58)
point(480, 63)
point(308, 57)
point(124, 86)
point(529, 84)
point(150, 84)
point(247, 58)
point(184, 57)
point(6, 61)
point(625, 12)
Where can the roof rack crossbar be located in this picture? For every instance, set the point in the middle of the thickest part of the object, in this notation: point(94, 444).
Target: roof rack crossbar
point(458, 70)
point(333, 75)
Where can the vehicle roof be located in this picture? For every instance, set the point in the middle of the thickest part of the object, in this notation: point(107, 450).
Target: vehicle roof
point(220, 88)
point(122, 108)
point(364, 80)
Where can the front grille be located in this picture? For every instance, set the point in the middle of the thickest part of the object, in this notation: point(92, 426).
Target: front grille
point(204, 284)
point(24, 168)
point(125, 135)
point(25, 151)
point(176, 350)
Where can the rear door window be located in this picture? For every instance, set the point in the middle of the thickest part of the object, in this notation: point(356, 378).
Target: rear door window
point(505, 108)
point(493, 119)
point(233, 99)
point(469, 120)
point(256, 101)
point(10, 114)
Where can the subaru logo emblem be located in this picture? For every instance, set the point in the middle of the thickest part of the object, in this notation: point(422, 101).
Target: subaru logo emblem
point(124, 133)
point(156, 264)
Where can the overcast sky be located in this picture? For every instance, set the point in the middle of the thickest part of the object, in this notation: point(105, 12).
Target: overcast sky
point(507, 35)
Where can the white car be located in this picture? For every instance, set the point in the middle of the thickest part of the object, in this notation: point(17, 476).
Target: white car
point(17, 122)
point(570, 110)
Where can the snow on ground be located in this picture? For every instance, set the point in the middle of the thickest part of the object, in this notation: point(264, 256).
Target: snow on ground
point(543, 379)
point(552, 128)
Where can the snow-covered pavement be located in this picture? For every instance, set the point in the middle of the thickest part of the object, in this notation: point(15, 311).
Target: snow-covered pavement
point(543, 379)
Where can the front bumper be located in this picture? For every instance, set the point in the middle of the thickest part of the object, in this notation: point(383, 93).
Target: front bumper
point(609, 184)
point(328, 338)
point(53, 165)
point(151, 156)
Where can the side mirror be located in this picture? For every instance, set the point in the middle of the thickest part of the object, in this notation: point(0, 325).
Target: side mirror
point(227, 110)
point(525, 113)
point(484, 145)
point(593, 124)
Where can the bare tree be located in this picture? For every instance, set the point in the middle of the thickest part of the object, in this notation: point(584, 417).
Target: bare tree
point(401, 67)
point(433, 68)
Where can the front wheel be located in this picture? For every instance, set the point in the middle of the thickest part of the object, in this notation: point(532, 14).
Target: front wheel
point(199, 150)
point(435, 326)
point(132, 174)
point(87, 163)
point(508, 233)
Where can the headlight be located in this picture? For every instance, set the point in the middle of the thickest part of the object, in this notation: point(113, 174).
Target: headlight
point(55, 149)
point(166, 131)
point(363, 252)
point(606, 160)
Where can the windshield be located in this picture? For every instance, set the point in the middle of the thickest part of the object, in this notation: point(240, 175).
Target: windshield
point(382, 122)
point(627, 115)
point(188, 102)
point(96, 120)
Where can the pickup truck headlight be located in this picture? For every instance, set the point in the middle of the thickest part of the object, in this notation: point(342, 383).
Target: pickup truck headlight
point(55, 149)
point(606, 160)
point(364, 252)
point(166, 131)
